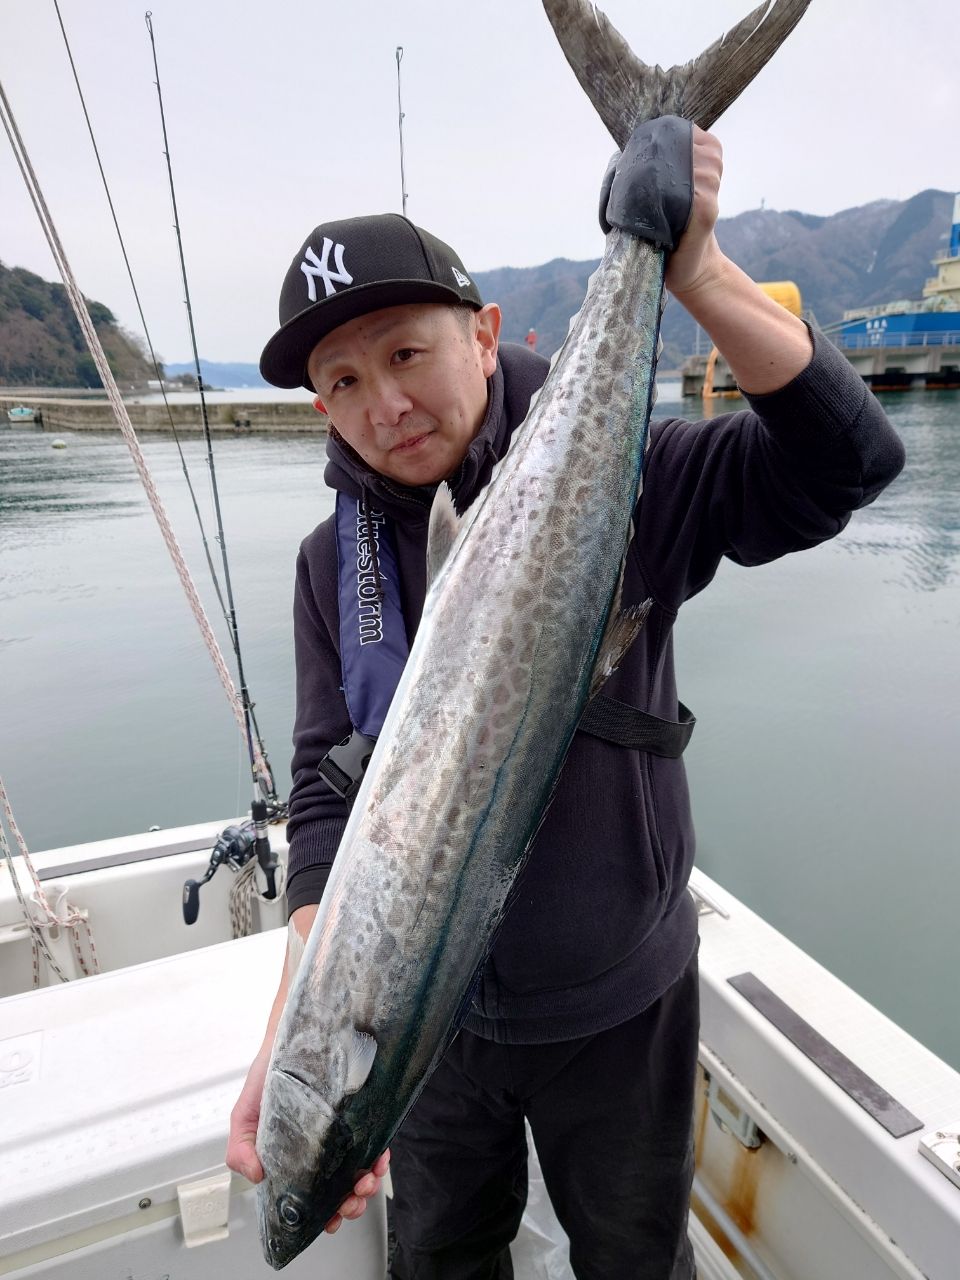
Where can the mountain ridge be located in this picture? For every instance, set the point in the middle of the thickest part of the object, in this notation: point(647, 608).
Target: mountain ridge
point(861, 256)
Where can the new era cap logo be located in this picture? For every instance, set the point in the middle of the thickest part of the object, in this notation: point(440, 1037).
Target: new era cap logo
point(460, 278)
point(313, 267)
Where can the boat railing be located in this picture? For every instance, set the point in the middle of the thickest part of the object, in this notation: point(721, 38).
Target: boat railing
point(893, 338)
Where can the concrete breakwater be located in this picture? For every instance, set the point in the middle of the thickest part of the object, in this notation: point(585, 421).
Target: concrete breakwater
point(292, 417)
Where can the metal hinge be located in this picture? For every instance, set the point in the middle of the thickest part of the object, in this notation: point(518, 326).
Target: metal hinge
point(942, 1149)
point(731, 1117)
point(706, 905)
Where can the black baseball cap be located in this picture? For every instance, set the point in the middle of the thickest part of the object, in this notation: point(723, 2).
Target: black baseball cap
point(345, 269)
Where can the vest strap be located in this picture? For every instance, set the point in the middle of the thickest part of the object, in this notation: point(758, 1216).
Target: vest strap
point(344, 765)
point(373, 635)
point(627, 726)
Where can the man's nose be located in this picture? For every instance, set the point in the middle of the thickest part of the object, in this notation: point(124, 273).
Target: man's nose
point(387, 402)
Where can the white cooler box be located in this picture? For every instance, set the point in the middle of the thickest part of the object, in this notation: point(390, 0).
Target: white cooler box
point(115, 1094)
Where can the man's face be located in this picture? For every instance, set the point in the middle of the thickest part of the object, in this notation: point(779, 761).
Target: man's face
point(406, 387)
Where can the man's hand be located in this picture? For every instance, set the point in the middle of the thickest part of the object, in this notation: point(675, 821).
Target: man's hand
point(765, 346)
point(241, 1155)
point(697, 258)
point(366, 1186)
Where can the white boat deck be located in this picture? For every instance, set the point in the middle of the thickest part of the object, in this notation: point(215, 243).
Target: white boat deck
point(116, 1092)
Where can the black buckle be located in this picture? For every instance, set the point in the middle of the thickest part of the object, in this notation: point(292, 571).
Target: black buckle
point(344, 765)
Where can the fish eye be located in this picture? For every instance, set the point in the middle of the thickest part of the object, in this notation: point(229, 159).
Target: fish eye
point(289, 1211)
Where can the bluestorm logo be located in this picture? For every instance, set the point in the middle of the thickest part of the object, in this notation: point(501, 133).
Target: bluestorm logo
point(314, 268)
point(370, 608)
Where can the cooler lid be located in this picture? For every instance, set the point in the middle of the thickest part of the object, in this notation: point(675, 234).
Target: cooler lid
point(116, 1087)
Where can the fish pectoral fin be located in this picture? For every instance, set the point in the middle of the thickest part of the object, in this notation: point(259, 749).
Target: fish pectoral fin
point(622, 629)
point(444, 527)
point(362, 1052)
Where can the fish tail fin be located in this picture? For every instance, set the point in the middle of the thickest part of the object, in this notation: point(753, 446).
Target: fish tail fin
point(625, 91)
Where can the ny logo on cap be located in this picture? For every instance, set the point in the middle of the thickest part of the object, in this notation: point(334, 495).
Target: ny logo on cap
point(312, 266)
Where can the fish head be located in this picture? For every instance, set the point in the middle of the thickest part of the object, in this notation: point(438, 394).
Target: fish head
point(311, 1161)
point(294, 1120)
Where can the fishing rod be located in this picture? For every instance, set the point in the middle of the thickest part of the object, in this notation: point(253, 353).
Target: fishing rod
point(403, 183)
point(264, 790)
point(143, 319)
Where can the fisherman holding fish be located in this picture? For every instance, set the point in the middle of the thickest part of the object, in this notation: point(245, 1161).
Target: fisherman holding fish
point(583, 1020)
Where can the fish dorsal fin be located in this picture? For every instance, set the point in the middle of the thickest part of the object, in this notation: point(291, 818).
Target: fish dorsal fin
point(362, 1051)
point(444, 527)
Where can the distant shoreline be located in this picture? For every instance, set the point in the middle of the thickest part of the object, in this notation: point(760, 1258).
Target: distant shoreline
point(238, 411)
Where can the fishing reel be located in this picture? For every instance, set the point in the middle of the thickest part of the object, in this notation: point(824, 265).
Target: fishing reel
point(235, 846)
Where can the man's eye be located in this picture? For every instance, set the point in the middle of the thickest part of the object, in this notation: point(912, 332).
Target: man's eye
point(346, 381)
point(404, 354)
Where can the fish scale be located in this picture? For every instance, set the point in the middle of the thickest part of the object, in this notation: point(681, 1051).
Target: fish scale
point(520, 624)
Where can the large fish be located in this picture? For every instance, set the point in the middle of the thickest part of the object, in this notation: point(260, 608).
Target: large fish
point(521, 624)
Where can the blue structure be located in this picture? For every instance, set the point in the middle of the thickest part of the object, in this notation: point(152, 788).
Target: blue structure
point(901, 329)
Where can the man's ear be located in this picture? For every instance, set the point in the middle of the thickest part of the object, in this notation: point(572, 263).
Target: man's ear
point(488, 321)
point(319, 405)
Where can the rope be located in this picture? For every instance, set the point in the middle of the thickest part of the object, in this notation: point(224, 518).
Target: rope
point(243, 891)
point(123, 421)
point(71, 918)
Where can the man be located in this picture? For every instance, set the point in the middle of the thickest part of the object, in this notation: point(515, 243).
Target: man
point(585, 1020)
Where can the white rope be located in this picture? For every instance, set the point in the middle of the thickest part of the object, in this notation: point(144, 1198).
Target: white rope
point(71, 917)
point(123, 421)
point(243, 891)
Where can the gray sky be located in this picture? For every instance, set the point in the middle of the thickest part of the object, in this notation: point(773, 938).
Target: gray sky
point(283, 114)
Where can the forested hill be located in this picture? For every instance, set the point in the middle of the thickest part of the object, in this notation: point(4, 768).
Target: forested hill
point(41, 343)
point(864, 256)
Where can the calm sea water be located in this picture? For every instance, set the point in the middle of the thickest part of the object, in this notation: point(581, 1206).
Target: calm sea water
point(824, 767)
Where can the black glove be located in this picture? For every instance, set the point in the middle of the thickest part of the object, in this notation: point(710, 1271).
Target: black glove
point(648, 188)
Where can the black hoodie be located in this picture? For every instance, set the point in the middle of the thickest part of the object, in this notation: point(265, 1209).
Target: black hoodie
point(600, 922)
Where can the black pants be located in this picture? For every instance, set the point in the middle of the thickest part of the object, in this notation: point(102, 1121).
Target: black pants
point(611, 1116)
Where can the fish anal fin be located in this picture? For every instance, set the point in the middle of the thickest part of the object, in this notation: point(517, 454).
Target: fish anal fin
point(622, 629)
point(443, 531)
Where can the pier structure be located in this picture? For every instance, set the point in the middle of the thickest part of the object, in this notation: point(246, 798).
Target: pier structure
point(923, 359)
point(60, 413)
point(919, 361)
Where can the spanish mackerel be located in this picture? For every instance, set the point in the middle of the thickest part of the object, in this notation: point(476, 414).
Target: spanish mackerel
point(522, 623)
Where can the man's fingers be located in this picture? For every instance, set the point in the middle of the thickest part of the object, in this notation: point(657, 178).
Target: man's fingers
point(354, 1206)
point(241, 1157)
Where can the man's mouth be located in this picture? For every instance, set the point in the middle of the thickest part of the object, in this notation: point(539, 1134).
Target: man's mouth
point(412, 442)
